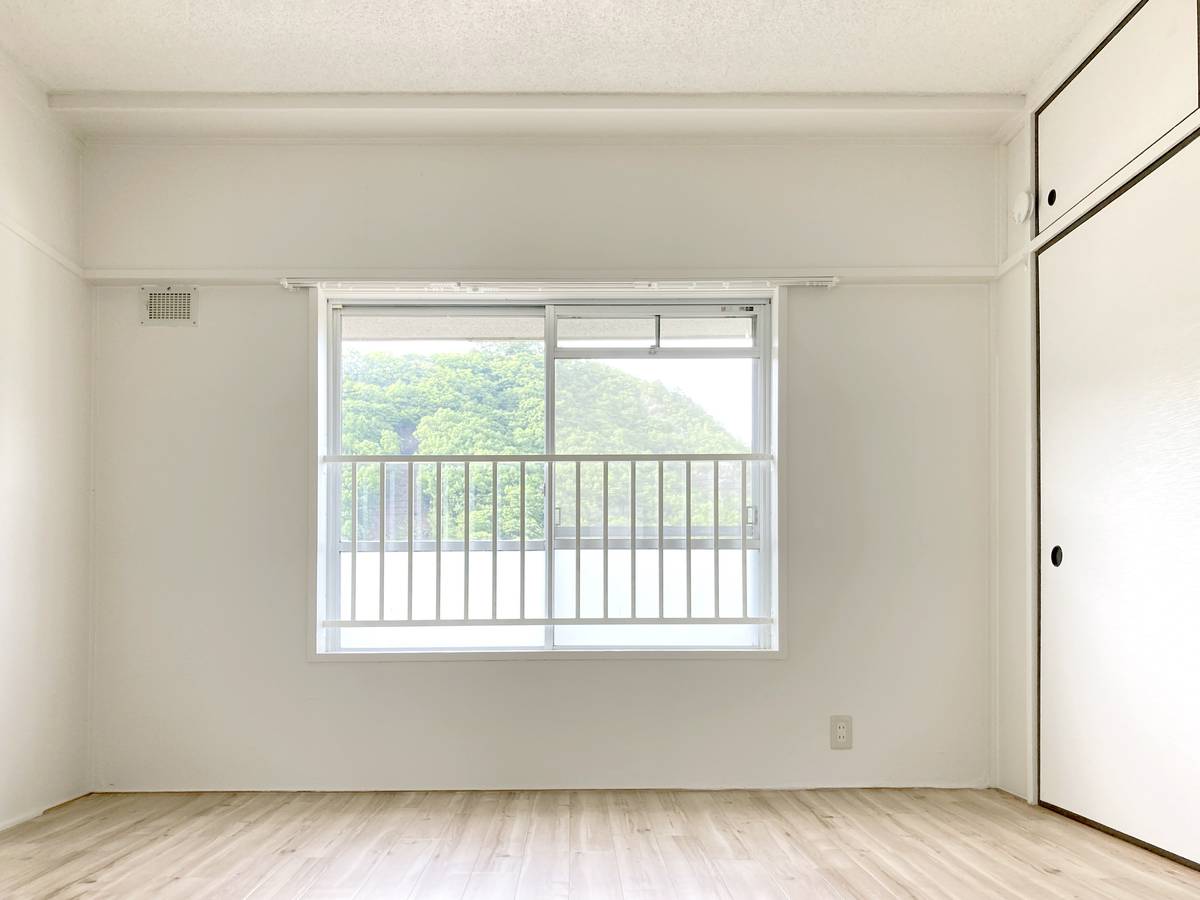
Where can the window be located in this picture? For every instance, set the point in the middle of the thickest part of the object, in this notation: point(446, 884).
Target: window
point(548, 477)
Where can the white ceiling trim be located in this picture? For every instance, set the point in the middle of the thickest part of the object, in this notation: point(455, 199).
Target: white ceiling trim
point(302, 275)
point(171, 100)
point(586, 117)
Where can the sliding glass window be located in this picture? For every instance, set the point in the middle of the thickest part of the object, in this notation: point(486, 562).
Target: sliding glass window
point(566, 476)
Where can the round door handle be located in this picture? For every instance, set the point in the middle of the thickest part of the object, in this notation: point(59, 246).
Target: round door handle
point(1056, 557)
point(1051, 197)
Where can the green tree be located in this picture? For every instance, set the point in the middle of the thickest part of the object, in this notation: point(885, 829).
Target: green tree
point(491, 401)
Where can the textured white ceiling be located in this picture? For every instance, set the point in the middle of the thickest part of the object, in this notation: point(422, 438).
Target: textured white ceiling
point(540, 45)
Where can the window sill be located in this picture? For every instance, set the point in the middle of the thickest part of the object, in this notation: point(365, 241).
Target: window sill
point(543, 655)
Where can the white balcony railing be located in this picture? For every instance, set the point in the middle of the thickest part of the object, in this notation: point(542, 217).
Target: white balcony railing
point(462, 540)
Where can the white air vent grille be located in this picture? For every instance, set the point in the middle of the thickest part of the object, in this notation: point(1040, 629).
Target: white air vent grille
point(169, 305)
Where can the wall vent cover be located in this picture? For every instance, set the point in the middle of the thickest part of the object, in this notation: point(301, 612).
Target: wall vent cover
point(169, 305)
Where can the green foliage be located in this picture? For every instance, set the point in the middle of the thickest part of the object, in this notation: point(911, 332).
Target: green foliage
point(491, 401)
point(486, 402)
point(602, 409)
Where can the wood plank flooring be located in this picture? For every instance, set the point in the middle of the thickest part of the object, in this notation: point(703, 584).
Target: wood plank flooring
point(553, 844)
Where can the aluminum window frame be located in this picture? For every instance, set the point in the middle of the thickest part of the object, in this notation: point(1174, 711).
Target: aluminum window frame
point(761, 306)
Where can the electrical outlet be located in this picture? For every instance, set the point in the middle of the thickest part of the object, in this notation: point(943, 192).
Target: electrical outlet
point(841, 732)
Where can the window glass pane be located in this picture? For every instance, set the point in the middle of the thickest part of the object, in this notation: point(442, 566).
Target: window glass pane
point(414, 384)
point(436, 637)
point(615, 332)
point(708, 332)
point(744, 637)
point(412, 543)
point(654, 405)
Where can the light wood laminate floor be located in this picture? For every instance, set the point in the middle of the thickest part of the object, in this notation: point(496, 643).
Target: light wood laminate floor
point(644, 844)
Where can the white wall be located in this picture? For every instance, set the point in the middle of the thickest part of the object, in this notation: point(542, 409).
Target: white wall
point(1015, 513)
point(1013, 483)
point(202, 482)
point(202, 492)
point(1014, 463)
point(44, 460)
point(274, 209)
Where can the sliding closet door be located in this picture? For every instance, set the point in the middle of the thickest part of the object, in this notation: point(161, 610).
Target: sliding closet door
point(1119, 308)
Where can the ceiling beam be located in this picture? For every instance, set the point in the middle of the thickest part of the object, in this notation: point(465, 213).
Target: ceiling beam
point(95, 101)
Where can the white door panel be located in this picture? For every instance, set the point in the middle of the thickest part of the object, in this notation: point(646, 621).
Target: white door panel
point(1119, 315)
point(1138, 86)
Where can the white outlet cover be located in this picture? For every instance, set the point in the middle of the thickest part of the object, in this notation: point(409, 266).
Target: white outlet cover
point(841, 732)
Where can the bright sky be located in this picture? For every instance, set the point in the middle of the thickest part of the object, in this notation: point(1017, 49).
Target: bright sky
point(721, 386)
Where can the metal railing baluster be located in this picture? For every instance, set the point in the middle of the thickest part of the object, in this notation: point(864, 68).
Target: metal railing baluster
point(437, 545)
point(661, 598)
point(382, 533)
point(604, 537)
point(466, 540)
point(495, 553)
point(521, 501)
point(578, 545)
point(632, 539)
point(408, 597)
point(353, 541)
point(716, 539)
point(742, 542)
point(687, 540)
